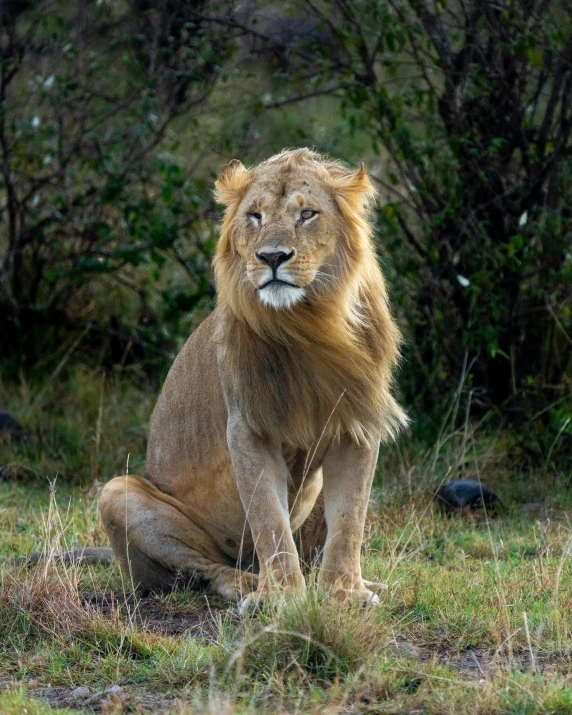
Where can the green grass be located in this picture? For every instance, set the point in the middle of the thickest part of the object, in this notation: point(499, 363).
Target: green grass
point(81, 429)
point(477, 618)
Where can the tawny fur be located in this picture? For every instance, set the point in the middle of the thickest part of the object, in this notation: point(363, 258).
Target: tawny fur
point(329, 363)
point(267, 404)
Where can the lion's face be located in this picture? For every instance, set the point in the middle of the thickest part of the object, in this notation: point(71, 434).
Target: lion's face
point(287, 226)
point(285, 234)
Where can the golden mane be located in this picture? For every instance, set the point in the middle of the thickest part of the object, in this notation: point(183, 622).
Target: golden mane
point(325, 366)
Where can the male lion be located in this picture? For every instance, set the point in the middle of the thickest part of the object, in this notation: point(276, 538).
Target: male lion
point(264, 440)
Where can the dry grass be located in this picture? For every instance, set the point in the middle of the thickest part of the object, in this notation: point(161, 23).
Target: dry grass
point(476, 619)
point(451, 635)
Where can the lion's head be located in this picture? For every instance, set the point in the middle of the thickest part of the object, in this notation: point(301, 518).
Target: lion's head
point(286, 231)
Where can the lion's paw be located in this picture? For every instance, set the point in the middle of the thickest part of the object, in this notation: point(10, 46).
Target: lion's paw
point(367, 594)
point(235, 585)
point(375, 586)
point(362, 596)
point(274, 597)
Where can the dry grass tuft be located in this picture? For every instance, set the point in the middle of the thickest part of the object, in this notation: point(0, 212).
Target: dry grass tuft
point(46, 601)
point(309, 638)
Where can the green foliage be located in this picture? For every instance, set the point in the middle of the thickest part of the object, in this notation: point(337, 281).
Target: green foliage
point(471, 110)
point(95, 203)
point(114, 119)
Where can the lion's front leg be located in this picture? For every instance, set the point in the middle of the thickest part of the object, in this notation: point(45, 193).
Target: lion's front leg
point(348, 473)
point(262, 480)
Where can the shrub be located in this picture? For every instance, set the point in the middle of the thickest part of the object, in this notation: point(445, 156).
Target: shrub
point(91, 185)
point(470, 106)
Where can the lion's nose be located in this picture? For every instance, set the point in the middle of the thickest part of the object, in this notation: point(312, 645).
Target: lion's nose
point(274, 259)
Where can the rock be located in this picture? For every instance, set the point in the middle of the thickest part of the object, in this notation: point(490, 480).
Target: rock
point(467, 493)
point(48, 693)
point(114, 690)
point(405, 649)
point(10, 428)
point(79, 693)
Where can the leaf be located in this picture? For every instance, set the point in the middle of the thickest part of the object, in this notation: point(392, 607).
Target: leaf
point(535, 58)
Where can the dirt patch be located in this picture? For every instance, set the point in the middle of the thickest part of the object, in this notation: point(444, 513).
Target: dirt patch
point(108, 700)
point(473, 663)
point(162, 616)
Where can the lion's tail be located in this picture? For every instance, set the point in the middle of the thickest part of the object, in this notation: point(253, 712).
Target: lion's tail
point(81, 557)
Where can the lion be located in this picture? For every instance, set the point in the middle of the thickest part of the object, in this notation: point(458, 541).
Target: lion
point(264, 440)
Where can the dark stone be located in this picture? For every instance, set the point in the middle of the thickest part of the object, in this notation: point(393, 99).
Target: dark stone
point(9, 426)
point(467, 493)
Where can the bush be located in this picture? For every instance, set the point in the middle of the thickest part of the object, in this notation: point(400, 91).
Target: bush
point(469, 107)
point(92, 189)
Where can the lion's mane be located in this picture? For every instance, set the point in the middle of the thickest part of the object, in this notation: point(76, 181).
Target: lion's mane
point(325, 367)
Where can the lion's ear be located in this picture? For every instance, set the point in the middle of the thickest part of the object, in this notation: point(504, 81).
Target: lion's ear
point(232, 182)
point(354, 187)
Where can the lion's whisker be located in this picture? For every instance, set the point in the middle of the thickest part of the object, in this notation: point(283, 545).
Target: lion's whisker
point(327, 276)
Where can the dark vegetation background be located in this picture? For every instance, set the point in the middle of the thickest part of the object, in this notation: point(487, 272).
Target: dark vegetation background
point(115, 118)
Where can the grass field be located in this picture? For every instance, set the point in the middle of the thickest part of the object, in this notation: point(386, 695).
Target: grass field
point(477, 617)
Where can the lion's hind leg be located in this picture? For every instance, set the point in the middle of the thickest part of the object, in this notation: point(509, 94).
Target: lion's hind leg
point(310, 538)
point(159, 546)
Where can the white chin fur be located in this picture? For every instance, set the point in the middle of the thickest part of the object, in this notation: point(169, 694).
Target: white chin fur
point(280, 296)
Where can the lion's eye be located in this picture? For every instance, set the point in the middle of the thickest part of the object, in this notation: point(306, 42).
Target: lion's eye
point(307, 213)
point(255, 216)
